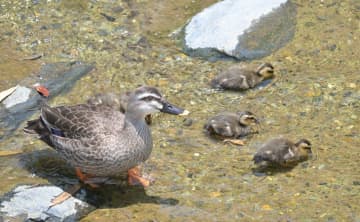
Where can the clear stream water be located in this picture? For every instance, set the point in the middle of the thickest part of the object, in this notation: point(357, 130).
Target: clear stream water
point(316, 96)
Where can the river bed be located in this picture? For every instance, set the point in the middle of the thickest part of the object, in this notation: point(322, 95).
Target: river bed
point(316, 95)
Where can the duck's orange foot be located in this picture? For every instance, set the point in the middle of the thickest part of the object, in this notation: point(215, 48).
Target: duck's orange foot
point(235, 141)
point(84, 177)
point(135, 178)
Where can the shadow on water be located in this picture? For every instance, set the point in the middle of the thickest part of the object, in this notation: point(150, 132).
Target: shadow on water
point(261, 171)
point(114, 192)
point(34, 201)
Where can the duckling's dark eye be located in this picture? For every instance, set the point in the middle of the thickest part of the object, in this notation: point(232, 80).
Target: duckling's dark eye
point(271, 71)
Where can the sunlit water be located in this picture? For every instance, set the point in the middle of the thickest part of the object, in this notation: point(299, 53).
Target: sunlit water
point(315, 96)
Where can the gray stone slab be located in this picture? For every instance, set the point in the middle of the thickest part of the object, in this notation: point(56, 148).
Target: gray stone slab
point(240, 29)
point(27, 202)
point(20, 95)
point(24, 101)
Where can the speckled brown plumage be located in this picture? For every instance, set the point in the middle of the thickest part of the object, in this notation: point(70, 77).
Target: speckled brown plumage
point(239, 78)
point(282, 152)
point(231, 125)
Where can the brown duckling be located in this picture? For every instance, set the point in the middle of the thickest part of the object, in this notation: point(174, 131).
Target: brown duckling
point(282, 152)
point(117, 102)
point(238, 78)
point(231, 125)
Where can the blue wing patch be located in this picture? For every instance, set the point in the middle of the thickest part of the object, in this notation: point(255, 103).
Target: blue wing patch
point(57, 132)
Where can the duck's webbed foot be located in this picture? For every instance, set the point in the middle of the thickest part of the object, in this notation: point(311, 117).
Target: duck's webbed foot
point(238, 142)
point(72, 190)
point(135, 177)
point(84, 178)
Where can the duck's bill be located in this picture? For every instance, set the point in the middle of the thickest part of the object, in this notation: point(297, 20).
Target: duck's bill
point(171, 109)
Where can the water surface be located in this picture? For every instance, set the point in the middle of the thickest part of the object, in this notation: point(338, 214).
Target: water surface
point(316, 96)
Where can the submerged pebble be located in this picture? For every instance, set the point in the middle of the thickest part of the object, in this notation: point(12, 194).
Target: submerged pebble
point(187, 122)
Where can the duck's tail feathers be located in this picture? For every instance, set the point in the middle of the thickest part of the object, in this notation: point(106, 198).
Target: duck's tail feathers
point(38, 127)
point(35, 127)
point(259, 159)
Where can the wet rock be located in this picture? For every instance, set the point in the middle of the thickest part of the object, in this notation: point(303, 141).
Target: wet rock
point(187, 122)
point(20, 95)
point(332, 47)
point(143, 42)
point(309, 24)
point(108, 17)
point(118, 9)
point(57, 77)
point(356, 183)
point(103, 32)
point(56, 25)
point(240, 29)
point(31, 203)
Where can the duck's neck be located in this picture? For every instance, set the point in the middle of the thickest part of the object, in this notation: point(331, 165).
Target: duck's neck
point(138, 121)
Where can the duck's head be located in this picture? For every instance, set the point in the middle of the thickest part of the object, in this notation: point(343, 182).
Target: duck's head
point(147, 100)
point(265, 70)
point(247, 118)
point(303, 147)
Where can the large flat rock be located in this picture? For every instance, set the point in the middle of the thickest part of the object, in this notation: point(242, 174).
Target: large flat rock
point(32, 203)
point(240, 29)
point(24, 100)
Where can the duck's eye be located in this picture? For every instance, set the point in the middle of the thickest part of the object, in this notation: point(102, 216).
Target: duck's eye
point(270, 71)
point(147, 98)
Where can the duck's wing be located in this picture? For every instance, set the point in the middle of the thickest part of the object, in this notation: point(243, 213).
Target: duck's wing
point(81, 121)
point(275, 151)
point(234, 82)
point(222, 124)
point(234, 79)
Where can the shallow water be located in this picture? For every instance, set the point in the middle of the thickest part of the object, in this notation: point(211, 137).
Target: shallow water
point(316, 95)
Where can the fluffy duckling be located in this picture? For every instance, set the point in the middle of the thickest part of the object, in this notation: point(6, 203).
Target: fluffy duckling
point(114, 101)
point(238, 78)
point(282, 152)
point(231, 125)
point(111, 100)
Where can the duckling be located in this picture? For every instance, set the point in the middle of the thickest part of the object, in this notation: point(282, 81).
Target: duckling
point(111, 100)
point(114, 101)
point(282, 152)
point(237, 78)
point(231, 125)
